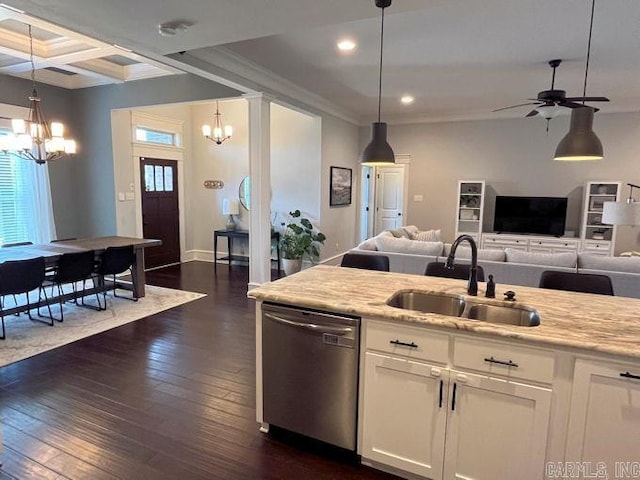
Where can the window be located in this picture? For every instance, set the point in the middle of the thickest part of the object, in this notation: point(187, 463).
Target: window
point(15, 218)
point(158, 178)
point(147, 135)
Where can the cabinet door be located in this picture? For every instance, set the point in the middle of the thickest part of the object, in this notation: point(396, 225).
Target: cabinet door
point(604, 424)
point(404, 414)
point(496, 429)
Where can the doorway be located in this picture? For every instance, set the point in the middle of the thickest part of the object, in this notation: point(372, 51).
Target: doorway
point(160, 213)
point(389, 194)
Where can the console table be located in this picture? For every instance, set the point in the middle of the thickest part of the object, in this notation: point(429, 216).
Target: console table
point(231, 234)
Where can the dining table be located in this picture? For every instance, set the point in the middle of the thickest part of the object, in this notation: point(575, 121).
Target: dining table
point(52, 252)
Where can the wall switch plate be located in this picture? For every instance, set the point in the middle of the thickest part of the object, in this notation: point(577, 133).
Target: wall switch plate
point(418, 198)
point(121, 196)
point(129, 195)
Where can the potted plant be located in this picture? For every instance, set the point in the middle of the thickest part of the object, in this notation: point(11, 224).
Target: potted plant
point(297, 239)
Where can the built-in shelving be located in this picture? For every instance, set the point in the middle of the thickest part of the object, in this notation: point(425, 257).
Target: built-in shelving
point(597, 237)
point(470, 208)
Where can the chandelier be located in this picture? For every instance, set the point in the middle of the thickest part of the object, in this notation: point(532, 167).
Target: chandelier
point(34, 139)
point(219, 134)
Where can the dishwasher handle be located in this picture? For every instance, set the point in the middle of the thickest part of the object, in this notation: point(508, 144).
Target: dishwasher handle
point(310, 326)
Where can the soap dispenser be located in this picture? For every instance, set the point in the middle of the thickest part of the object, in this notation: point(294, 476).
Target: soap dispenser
point(491, 288)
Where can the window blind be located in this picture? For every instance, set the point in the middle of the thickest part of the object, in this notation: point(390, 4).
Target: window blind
point(14, 205)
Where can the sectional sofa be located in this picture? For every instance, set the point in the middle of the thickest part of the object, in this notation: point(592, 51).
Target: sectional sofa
point(508, 266)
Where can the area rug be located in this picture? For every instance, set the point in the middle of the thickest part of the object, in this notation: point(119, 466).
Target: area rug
point(26, 338)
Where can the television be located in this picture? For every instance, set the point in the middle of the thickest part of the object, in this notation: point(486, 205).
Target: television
point(531, 215)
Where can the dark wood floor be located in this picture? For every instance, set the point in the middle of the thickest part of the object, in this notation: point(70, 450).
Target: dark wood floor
point(171, 396)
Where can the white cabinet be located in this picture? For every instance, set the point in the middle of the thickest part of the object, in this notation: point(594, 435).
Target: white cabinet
point(598, 238)
point(405, 388)
point(496, 429)
point(470, 208)
point(404, 414)
point(454, 407)
point(530, 243)
point(604, 423)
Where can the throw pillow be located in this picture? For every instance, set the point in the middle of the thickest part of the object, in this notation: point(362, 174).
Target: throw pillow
point(399, 233)
point(368, 244)
point(565, 259)
point(411, 230)
point(404, 245)
point(615, 264)
point(427, 236)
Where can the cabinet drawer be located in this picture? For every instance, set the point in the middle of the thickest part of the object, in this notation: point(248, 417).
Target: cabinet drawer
point(412, 342)
point(507, 242)
point(557, 245)
point(494, 358)
point(597, 246)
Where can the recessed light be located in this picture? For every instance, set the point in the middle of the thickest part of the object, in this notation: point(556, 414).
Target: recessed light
point(346, 45)
point(407, 99)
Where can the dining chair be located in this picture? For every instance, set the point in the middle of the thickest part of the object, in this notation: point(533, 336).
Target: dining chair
point(367, 262)
point(114, 261)
point(576, 282)
point(21, 277)
point(71, 269)
point(459, 271)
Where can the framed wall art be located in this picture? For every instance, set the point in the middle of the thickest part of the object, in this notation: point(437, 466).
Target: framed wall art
point(340, 186)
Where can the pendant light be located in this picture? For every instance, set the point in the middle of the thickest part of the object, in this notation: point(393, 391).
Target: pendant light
point(33, 138)
point(379, 152)
point(217, 134)
point(581, 142)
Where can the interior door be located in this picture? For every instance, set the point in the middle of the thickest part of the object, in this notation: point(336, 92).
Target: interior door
point(389, 198)
point(160, 218)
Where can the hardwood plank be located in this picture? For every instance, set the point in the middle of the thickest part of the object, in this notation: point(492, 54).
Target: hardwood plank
point(169, 396)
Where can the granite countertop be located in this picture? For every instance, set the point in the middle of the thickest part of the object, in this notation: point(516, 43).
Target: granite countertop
point(597, 323)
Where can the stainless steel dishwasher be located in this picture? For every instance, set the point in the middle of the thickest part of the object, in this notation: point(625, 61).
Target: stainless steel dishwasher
point(310, 373)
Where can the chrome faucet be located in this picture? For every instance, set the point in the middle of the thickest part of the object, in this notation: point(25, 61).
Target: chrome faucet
point(472, 287)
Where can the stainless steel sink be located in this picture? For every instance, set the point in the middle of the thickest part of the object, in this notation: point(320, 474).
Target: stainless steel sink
point(518, 316)
point(442, 303)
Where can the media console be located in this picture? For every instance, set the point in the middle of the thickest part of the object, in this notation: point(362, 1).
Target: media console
point(531, 243)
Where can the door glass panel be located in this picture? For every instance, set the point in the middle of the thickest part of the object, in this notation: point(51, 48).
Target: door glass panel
point(148, 178)
point(168, 179)
point(159, 178)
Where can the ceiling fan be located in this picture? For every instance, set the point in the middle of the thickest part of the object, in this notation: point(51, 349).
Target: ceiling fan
point(549, 101)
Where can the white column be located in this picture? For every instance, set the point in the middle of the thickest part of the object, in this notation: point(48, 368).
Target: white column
point(260, 174)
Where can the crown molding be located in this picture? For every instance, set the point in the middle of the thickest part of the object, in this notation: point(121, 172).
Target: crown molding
point(223, 63)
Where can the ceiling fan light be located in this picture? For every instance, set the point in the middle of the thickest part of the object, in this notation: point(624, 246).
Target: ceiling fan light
point(581, 142)
point(549, 111)
point(378, 152)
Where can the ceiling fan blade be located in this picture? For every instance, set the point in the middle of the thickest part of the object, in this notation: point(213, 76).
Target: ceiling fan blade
point(532, 113)
point(572, 105)
point(516, 106)
point(587, 99)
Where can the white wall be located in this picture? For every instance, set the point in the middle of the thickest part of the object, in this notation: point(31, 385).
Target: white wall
point(295, 164)
point(228, 162)
point(515, 157)
point(339, 149)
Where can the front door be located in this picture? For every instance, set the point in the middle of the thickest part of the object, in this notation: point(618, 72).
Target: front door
point(160, 210)
point(389, 198)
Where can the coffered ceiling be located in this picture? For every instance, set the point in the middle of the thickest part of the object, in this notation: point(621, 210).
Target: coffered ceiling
point(65, 58)
point(460, 59)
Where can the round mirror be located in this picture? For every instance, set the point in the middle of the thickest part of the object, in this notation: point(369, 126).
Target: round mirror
point(244, 192)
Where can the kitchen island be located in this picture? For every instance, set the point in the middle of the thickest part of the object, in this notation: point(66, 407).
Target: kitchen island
point(445, 397)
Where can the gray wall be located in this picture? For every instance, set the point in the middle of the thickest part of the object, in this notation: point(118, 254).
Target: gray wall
point(515, 157)
point(57, 104)
point(83, 187)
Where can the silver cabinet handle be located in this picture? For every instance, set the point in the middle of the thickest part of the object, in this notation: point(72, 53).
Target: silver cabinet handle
point(311, 326)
